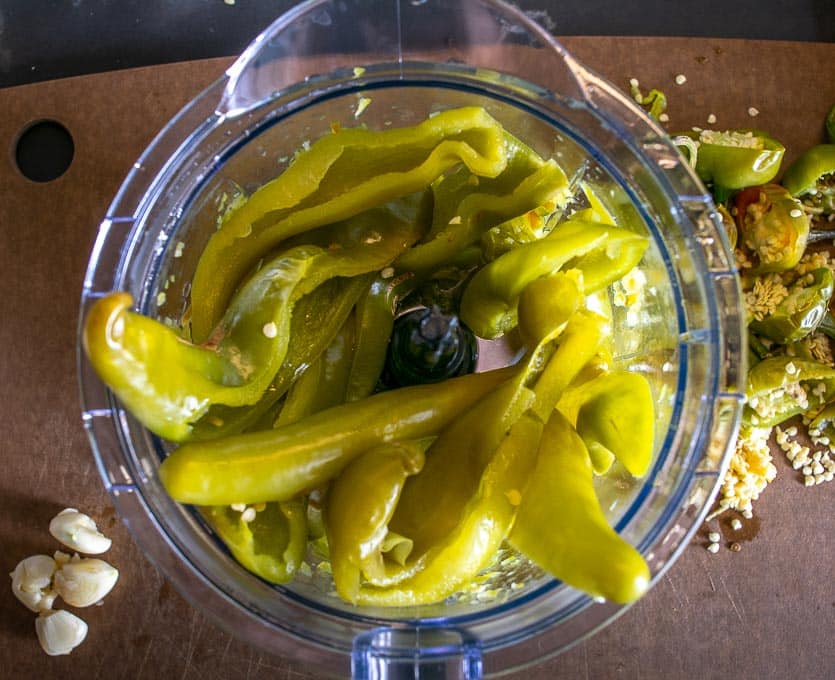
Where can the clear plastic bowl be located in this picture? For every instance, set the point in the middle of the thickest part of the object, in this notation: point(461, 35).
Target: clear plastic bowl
point(312, 68)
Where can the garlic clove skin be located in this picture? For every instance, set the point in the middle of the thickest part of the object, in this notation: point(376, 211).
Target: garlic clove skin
point(59, 632)
point(78, 532)
point(32, 582)
point(84, 582)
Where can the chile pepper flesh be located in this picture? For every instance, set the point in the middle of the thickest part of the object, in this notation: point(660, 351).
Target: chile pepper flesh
point(358, 508)
point(339, 176)
point(147, 363)
point(811, 179)
point(736, 159)
point(317, 318)
point(278, 464)
point(272, 545)
point(455, 560)
point(603, 253)
point(801, 311)
point(579, 547)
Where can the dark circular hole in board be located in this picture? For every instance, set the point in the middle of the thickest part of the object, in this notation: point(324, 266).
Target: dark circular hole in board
point(44, 150)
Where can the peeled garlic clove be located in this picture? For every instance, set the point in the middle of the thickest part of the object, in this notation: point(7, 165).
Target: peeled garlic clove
point(85, 582)
point(78, 531)
point(60, 632)
point(61, 558)
point(32, 582)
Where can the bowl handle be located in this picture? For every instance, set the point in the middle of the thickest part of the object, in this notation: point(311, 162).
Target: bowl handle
point(416, 652)
point(320, 40)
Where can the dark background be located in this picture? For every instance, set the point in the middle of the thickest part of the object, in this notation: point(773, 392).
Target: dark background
point(45, 39)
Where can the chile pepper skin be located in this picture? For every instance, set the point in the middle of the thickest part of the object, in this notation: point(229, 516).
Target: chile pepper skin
point(811, 178)
point(804, 174)
point(602, 253)
point(736, 167)
point(359, 504)
point(169, 383)
point(282, 463)
point(272, 545)
point(340, 175)
point(614, 414)
point(560, 526)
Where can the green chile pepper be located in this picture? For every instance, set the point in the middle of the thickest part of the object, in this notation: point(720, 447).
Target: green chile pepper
point(811, 178)
point(358, 508)
point(735, 159)
point(452, 562)
point(281, 463)
point(614, 416)
point(317, 318)
point(654, 102)
point(601, 252)
point(511, 233)
point(546, 303)
point(451, 190)
point(322, 384)
point(824, 420)
point(482, 210)
point(830, 125)
point(801, 312)
point(560, 526)
point(433, 502)
point(773, 229)
point(374, 324)
point(168, 383)
point(340, 175)
point(272, 545)
point(781, 387)
point(479, 464)
point(452, 510)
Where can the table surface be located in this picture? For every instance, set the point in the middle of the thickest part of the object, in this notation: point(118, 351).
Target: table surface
point(765, 612)
point(46, 39)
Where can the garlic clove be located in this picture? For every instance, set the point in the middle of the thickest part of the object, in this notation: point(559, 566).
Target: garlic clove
point(32, 582)
point(84, 582)
point(59, 632)
point(61, 558)
point(79, 532)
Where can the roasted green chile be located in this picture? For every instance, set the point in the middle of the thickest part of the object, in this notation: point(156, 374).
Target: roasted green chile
point(580, 548)
point(272, 544)
point(601, 252)
point(408, 494)
point(281, 463)
point(358, 508)
point(339, 176)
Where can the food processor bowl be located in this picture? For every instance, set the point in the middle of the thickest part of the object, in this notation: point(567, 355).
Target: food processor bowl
point(390, 64)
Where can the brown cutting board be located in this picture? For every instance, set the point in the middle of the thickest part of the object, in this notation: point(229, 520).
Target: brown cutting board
point(767, 611)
